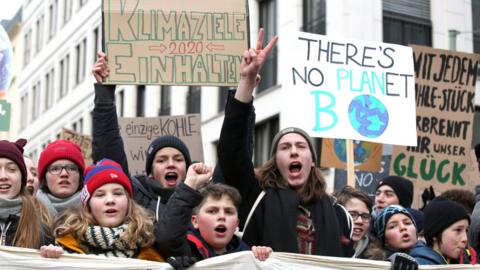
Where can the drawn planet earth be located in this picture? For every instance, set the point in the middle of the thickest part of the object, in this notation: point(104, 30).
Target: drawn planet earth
point(361, 151)
point(6, 58)
point(368, 116)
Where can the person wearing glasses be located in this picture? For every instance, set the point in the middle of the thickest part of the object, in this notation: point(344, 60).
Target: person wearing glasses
point(359, 206)
point(60, 172)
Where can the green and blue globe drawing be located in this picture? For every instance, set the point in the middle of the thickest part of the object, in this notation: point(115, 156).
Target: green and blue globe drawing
point(361, 151)
point(368, 116)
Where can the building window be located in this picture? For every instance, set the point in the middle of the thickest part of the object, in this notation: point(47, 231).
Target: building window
point(314, 16)
point(80, 58)
point(194, 99)
point(119, 102)
point(96, 43)
point(49, 87)
point(67, 11)
point(407, 22)
point(27, 49)
point(35, 100)
point(39, 32)
point(34, 155)
point(140, 100)
point(64, 75)
point(268, 19)
point(52, 23)
point(81, 3)
point(24, 111)
point(264, 133)
point(78, 126)
point(476, 25)
point(165, 100)
point(222, 97)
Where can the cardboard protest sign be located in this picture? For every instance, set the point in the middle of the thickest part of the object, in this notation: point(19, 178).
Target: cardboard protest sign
point(186, 42)
point(445, 95)
point(472, 168)
point(82, 140)
point(5, 109)
point(364, 180)
point(139, 132)
point(338, 88)
point(367, 155)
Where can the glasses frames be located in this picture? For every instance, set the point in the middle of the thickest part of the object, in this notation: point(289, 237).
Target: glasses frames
point(364, 216)
point(57, 169)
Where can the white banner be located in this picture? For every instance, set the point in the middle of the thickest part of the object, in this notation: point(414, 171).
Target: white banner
point(348, 89)
point(21, 258)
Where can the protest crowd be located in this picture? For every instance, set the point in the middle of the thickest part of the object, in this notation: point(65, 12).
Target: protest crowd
point(182, 211)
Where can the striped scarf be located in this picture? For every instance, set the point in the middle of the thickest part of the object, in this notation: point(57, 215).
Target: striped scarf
point(106, 241)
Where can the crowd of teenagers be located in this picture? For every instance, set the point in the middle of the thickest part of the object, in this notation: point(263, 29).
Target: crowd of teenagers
point(183, 212)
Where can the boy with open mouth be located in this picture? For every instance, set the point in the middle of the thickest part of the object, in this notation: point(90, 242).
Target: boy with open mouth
point(202, 219)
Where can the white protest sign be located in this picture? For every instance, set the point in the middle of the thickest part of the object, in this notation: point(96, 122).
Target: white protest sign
point(21, 258)
point(339, 88)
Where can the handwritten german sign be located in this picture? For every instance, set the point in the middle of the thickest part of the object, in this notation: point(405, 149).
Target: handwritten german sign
point(139, 132)
point(338, 88)
point(82, 140)
point(186, 42)
point(445, 99)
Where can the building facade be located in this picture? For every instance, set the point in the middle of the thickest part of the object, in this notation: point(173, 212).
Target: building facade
point(60, 39)
point(13, 27)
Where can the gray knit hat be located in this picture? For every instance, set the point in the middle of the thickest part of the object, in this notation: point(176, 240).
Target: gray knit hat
point(300, 132)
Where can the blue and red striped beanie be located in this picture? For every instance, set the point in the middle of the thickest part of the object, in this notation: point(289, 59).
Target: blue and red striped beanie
point(104, 172)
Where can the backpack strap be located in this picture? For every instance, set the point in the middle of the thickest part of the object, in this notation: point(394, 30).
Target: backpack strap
point(250, 214)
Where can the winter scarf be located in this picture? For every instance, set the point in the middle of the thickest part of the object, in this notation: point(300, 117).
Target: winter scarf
point(107, 241)
point(361, 246)
point(10, 207)
point(55, 205)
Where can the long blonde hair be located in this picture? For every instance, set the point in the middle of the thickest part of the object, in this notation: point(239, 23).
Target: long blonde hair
point(269, 177)
point(140, 224)
point(34, 220)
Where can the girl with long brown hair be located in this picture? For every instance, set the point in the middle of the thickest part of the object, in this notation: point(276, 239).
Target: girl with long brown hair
point(24, 222)
point(110, 223)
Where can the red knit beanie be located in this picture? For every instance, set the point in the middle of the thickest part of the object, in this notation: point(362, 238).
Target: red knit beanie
point(104, 172)
point(60, 149)
point(14, 152)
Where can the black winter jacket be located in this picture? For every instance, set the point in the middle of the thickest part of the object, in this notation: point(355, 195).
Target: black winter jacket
point(9, 228)
point(174, 234)
point(107, 143)
point(275, 218)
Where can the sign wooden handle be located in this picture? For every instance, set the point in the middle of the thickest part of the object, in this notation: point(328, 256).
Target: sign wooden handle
point(350, 164)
